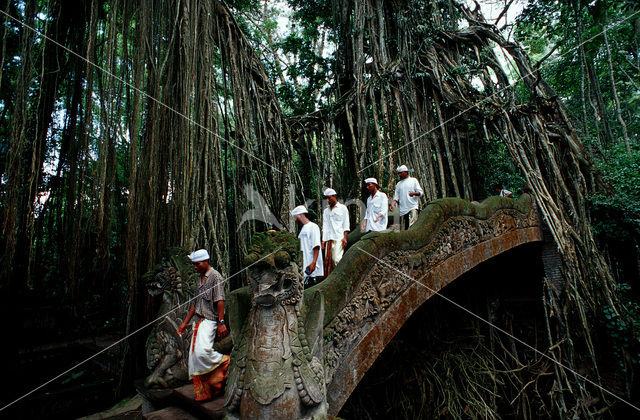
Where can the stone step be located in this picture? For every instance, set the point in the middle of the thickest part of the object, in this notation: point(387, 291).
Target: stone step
point(211, 409)
point(170, 413)
point(180, 403)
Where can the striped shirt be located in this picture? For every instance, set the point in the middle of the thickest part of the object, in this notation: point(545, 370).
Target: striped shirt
point(210, 289)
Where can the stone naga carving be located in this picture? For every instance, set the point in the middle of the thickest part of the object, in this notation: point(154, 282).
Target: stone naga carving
point(277, 362)
point(174, 280)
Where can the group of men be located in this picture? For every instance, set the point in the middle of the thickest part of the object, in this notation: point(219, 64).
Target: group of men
point(335, 226)
point(207, 367)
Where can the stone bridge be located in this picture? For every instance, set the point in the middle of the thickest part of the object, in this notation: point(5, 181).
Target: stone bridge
point(384, 277)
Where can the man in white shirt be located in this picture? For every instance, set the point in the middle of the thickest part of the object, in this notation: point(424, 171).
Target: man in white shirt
point(375, 217)
point(335, 227)
point(309, 236)
point(407, 197)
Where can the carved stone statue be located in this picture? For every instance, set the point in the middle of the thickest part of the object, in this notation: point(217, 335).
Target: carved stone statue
point(167, 352)
point(277, 363)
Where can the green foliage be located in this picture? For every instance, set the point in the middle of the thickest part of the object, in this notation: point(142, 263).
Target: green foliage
point(307, 75)
point(616, 211)
point(544, 24)
point(243, 4)
point(624, 329)
point(497, 167)
point(309, 12)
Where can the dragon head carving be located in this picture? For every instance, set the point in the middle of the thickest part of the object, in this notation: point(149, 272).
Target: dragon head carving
point(274, 277)
point(173, 279)
point(276, 366)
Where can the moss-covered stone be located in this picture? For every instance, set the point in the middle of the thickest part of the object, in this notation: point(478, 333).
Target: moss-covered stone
point(338, 287)
point(264, 243)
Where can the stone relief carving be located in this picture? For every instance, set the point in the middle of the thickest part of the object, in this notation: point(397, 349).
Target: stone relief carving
point(382, 285)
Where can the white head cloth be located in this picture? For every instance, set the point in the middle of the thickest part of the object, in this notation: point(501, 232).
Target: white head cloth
point(371, 180)
point(402, 168)
point(329, 191)
point(299, 210)
point(199, 255)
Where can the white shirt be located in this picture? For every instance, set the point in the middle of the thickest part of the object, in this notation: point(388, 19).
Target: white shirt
point(376, 205)
point(401, 195)
point(335, 222)
point(309, 239)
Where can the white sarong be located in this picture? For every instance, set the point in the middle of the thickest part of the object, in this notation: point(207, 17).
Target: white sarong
point(202, 357)
point(337, 251)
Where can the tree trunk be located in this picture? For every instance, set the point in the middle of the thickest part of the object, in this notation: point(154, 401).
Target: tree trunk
point(614, 90)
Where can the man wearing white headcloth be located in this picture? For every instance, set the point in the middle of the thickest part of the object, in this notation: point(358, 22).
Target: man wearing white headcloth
point(312, 267)
point(407, 196)
point(375, 217)
point(207, 367)
point(335, 227)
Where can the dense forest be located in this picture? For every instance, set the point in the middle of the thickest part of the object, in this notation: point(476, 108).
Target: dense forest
point(128, 127)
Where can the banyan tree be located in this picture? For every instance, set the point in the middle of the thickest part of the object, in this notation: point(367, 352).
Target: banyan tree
point(153, 117)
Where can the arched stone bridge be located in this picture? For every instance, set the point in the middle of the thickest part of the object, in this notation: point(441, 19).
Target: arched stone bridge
point(367, 300)
point(382, 279)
